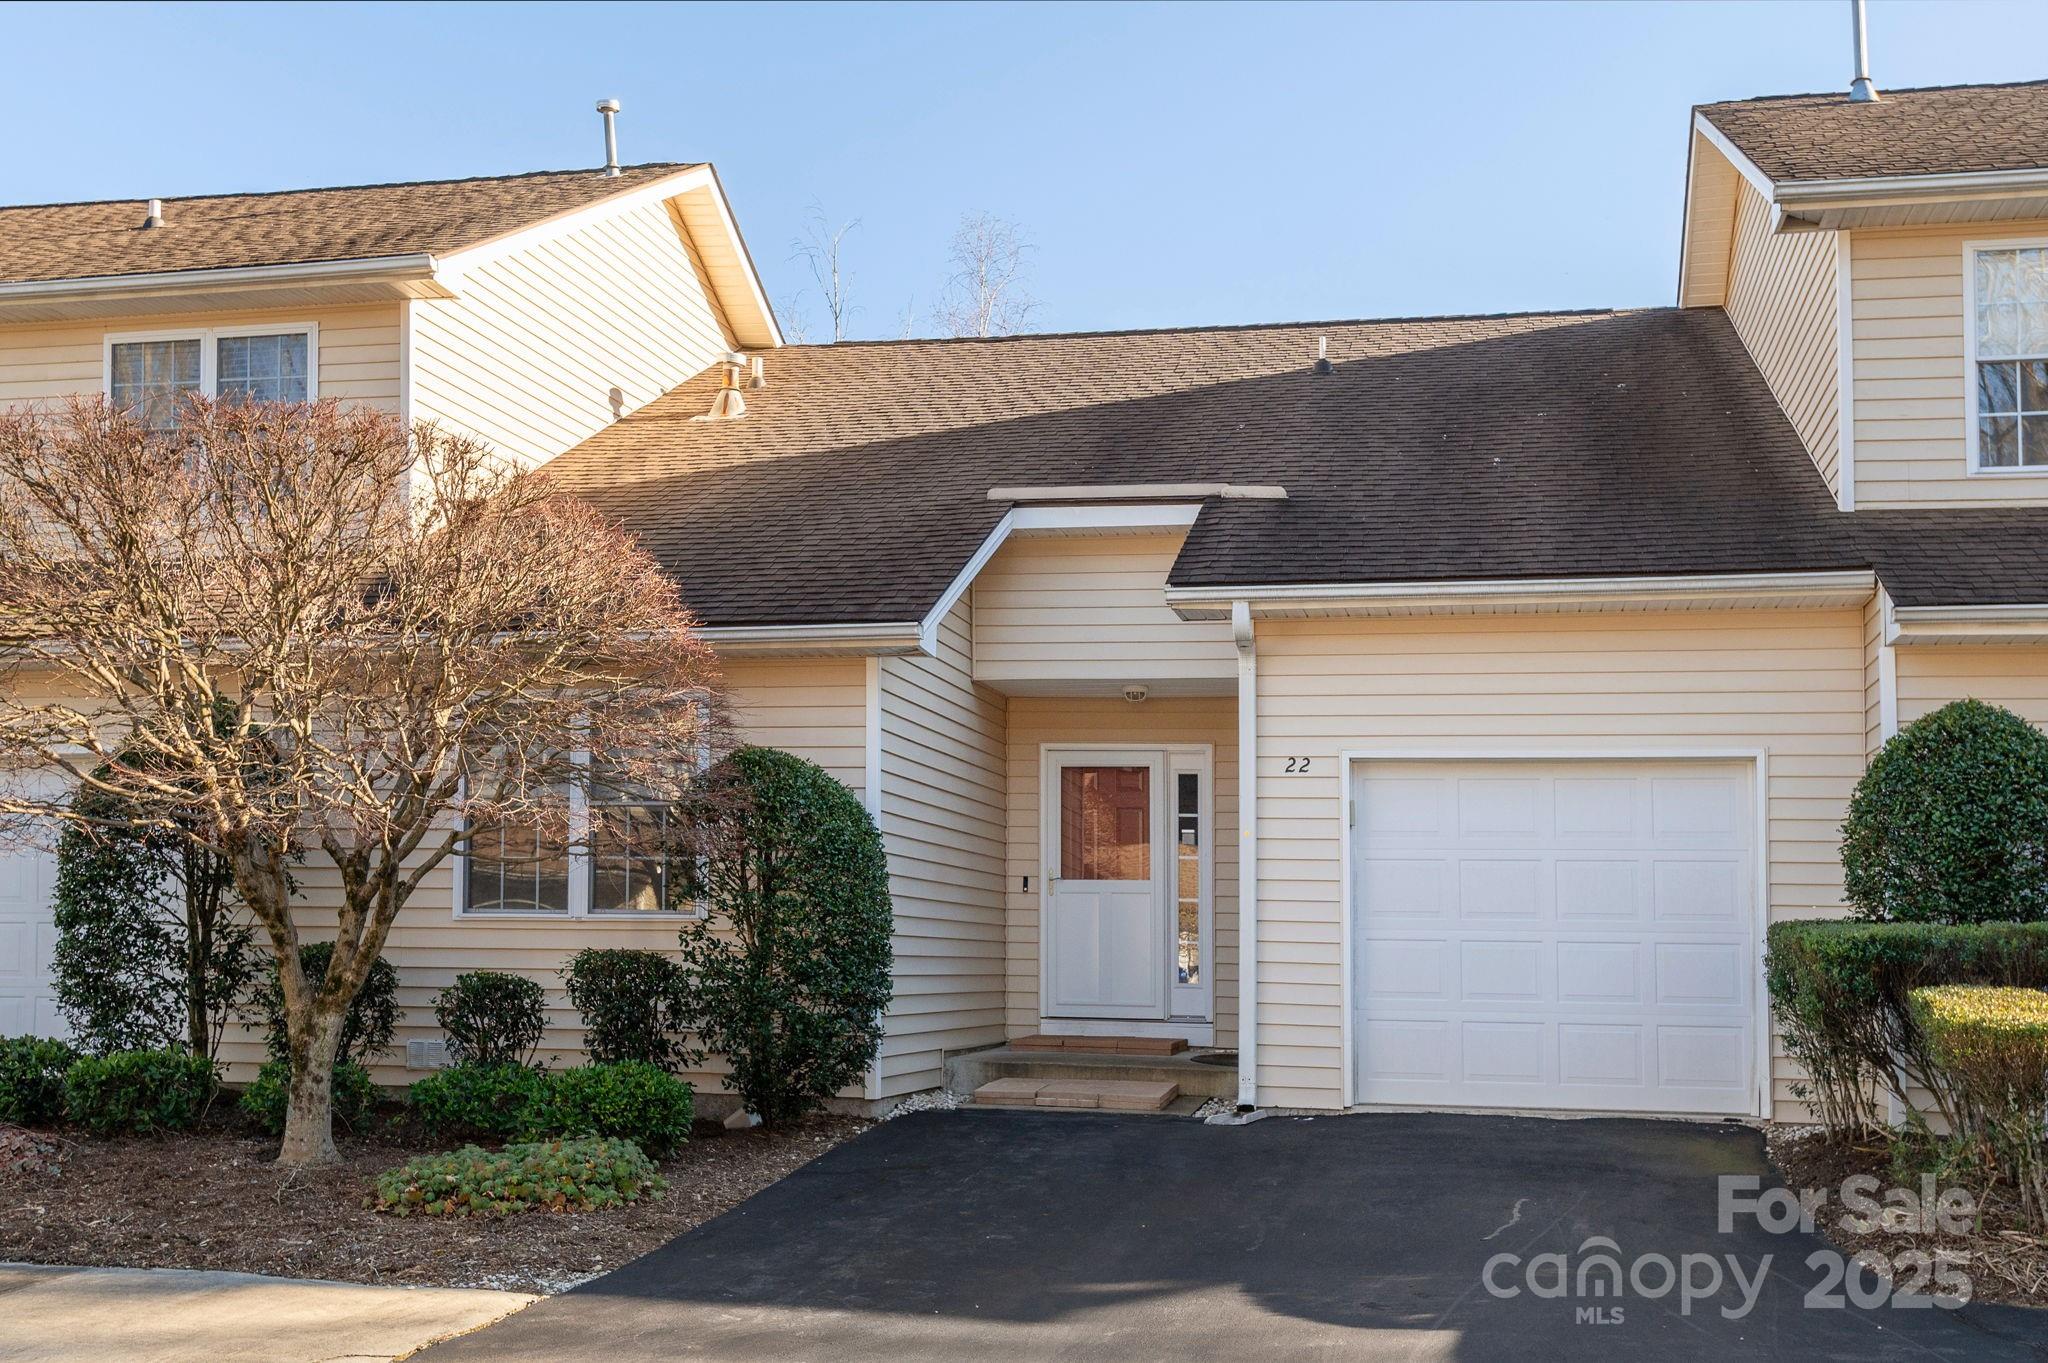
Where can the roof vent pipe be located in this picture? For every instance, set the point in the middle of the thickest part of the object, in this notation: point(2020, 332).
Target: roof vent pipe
point(155, 216)
point(1323, 365)
point(1861, 91)
point(610, 109)
point(728, 405)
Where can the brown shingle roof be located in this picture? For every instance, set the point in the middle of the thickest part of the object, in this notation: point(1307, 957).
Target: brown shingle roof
point(1934, 131)
point(222, 231)
point(855, 488)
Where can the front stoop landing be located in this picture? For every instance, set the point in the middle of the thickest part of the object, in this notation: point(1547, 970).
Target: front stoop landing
point(1106, 1095)
point(1102, 1045)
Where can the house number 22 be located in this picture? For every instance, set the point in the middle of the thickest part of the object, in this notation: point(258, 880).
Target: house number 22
point(1297, 765)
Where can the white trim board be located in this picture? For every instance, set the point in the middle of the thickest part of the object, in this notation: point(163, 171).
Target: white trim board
point(1478, 751)
point(1845, 374)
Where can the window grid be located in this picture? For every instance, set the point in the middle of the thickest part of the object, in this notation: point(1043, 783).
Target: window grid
point(150, 373)
point(2009, 390)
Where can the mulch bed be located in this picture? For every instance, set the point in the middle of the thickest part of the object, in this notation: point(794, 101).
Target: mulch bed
point(214, 1199)
point(2005, 1260)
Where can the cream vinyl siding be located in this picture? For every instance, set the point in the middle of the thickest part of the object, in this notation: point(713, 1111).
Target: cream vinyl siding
point(1912, 396)
point(1066, 609)
point(942, 815)
point(527, 356)
point(358, 353)
point(1788, 681)
point(2014, 676)
point(1038, 721)
point(815, 708)
point(1781, 299)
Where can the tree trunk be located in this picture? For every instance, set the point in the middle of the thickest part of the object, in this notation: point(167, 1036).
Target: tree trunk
point(309, 1117)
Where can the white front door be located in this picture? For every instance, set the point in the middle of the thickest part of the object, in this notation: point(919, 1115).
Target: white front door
point(1108, 885)
point(1576, 935)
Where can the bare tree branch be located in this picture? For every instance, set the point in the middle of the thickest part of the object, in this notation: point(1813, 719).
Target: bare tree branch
point(985, 294)
point(821, 246)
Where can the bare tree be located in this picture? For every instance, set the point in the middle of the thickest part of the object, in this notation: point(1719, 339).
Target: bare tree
point(906, 321)
point(410, 642)
point(985, 295)
point(794, 318)
point(821, 246)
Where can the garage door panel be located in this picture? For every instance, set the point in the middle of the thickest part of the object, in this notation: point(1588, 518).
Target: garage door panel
point(1555, 935)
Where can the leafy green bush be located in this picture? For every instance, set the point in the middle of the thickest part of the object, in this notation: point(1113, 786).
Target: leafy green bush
point(631, 1099)
point(791, 968)
point(1993, 1045)
point(153, 949)
point(1840, 991)
point(1947, 825)
point(32, 1070)
point(492, 1018)
point(372, 1018)
point(632, 1004)
point(556, 1176)
point(138, 1091)
point(495, 1102)
point(269, 1096)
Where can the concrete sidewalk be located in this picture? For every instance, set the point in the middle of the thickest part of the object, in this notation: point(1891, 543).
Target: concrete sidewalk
point(133, 1315)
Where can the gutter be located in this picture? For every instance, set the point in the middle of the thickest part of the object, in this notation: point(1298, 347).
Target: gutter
point(366, 270)
point(1994, 624)
point(1879, 188)
point(1247, 856)
point(894, 637)
point(1853, 586)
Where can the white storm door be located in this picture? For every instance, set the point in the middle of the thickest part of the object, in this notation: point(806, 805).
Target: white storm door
point(1107, 888)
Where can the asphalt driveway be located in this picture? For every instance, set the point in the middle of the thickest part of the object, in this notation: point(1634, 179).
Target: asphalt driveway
point(980, 1235)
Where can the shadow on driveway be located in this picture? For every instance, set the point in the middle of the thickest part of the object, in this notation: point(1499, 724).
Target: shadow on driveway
point(1019, 1235)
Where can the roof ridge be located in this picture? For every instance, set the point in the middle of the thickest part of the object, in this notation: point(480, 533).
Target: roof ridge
point(1843, 95)
point(1206, 327)
point(339, 189)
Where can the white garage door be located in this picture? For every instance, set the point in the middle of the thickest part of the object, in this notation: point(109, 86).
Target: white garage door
point(1572, 935)
point(28, 1002)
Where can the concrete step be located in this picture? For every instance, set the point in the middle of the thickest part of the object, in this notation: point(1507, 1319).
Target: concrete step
point(1106, 1095)
point(968, 1071)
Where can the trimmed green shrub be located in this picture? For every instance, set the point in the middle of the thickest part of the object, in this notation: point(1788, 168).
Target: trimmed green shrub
point(1840, 991)
point(494, 1102)
point(557, 1176)
point(138, 1091)
point(1993, 1045)
point(492, 1018)
point(366, 1030)
point(1950, 823)
point(791, 969)
point(267, 1099)
point(631, 1099)
point(632, 1004)
point(32, 1070)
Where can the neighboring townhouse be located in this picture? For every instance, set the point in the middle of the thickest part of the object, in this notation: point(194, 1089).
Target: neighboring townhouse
point(1434, 711)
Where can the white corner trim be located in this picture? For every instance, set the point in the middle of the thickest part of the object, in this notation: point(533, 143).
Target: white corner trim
point(1247, 854)
point(872, 745)
point(1136, 492)
point(928, 628)
point(1744, 167)
point(1845, 375)
point(458, 263)
point(406, 353)
point(370, 269)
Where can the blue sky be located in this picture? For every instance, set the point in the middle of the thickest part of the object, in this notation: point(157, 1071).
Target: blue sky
point(1171, 164)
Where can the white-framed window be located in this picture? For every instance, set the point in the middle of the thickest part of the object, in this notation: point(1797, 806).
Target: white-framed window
point(151, 371)
point(2005, 342)
point(506, 870)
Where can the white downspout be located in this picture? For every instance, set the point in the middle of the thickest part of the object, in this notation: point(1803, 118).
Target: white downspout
point(1247, 856)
